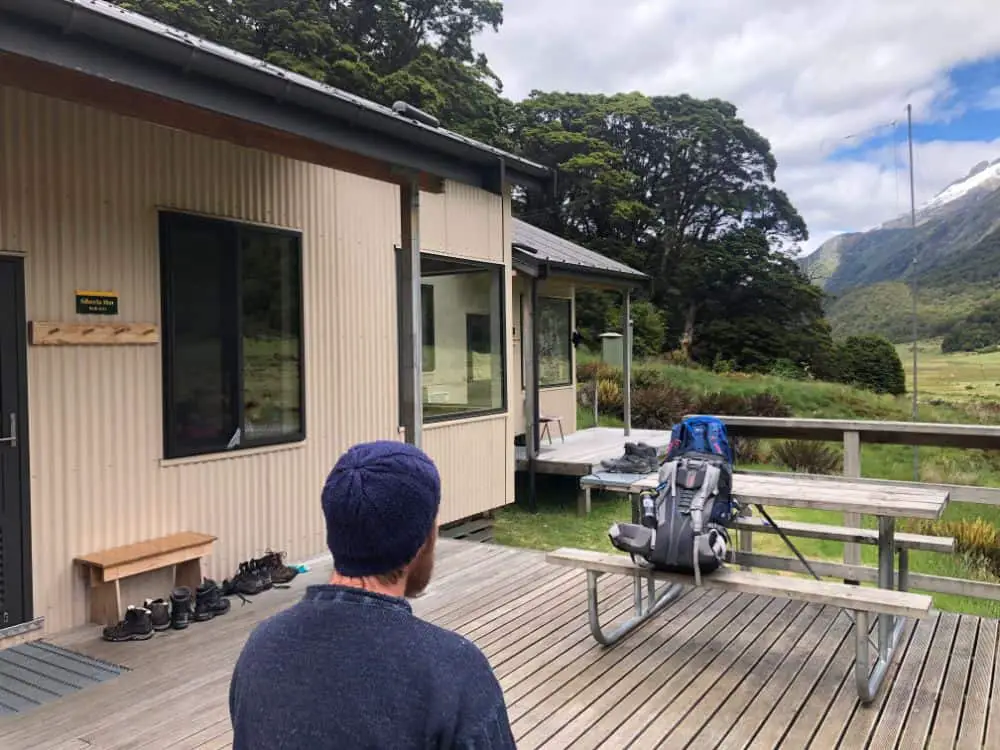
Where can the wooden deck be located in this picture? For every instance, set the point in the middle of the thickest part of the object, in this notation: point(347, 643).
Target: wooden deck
point(714, 670)
point(583, 451)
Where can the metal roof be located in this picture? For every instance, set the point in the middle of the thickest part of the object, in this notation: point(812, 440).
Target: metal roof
point(536, 247)
point(52, 31)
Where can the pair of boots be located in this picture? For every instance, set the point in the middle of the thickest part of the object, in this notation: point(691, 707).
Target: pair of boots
point(140, 623)
point(639, 458)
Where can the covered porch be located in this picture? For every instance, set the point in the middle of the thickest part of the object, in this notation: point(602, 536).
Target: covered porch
point(715, 669)
point(581, 452)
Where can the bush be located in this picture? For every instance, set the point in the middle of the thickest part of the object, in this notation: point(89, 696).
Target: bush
point(610, 398)
point(645, 377)
point(977, 540)
point(649, 327)
point(747, 450)
point(659, 407)
point(767, 404)
point(871, 362)
point(586, 372)
point(785, 368)
point(722, 404)
point(807, 456)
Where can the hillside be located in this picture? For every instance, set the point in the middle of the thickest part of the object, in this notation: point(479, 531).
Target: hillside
point(957, 247)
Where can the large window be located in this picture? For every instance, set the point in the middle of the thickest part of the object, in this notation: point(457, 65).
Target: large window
point(463, 331)
point(555, 346)
point(232, 335)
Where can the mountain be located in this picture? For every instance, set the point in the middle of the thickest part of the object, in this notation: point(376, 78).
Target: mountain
point(956, 245)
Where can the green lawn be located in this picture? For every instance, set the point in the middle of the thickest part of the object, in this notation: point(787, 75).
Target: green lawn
point(963, 376)
point(557, 524)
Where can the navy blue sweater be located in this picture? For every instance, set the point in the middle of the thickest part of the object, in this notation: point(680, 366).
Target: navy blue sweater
point(352, 670)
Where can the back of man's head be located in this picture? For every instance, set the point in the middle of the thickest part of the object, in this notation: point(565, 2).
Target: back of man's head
point(380, 502)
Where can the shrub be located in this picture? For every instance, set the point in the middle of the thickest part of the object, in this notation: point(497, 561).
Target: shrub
point(767, 404)
point(586, 372)
point(645, 376)
point(719, 403)
point(871, 362)
point(747, 450)
point(659, 407)
point(977, 540)
point(649, 327)
point(723, 366)
point(807, 456)
point(785, 368)
point(610, 399)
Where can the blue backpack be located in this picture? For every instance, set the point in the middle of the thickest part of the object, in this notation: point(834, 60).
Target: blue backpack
point(700, 435)
point(683, 524)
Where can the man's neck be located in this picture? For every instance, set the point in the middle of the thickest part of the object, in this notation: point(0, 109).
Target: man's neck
point(369, 584)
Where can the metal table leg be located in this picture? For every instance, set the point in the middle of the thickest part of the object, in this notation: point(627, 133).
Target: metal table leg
point(890, 627)
point(644, 609)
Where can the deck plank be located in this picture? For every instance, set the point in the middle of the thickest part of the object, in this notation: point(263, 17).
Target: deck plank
point(920, 718)
point(973, 730)
point(714, 669)
point(773, 708)
point(950, 702)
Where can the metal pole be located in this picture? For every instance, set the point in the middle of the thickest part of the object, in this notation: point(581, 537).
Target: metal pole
point(627, 362)
point(913, 281)
point(410, 315)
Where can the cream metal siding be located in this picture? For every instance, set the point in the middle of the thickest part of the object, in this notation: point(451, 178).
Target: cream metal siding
point(464, 222)
point(79, 192)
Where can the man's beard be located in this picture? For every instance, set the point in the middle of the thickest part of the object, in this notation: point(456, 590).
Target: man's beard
point(421, 569)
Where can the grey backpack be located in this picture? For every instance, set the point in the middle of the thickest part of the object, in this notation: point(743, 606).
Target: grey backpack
point(682, 527)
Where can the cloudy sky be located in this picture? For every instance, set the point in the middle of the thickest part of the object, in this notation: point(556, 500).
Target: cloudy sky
point(824, 81)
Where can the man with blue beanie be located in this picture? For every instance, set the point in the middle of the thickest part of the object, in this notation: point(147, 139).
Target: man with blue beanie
point(350, 667)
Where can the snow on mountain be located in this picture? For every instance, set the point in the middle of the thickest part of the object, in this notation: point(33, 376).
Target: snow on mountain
point(984, 175)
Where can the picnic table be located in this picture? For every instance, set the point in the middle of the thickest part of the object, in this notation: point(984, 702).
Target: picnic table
point(886, 503)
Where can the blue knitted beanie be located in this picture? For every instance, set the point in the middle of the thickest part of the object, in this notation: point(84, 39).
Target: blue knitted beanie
point(380, 502)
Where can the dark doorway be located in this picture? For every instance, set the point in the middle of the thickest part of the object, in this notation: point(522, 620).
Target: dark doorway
point(15, 535)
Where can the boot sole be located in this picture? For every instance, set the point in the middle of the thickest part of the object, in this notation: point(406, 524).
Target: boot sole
point(204, 617)
point(133, 637)
point(161, 628)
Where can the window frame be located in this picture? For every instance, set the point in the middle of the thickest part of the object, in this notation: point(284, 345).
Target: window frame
point(569, 341)
point(232, 345)
point(427, 301)
point(502, 273)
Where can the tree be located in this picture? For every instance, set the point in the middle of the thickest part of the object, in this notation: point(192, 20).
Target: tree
point(673, 186)
point(872, 362)
point(417, 50)
point(648, 327)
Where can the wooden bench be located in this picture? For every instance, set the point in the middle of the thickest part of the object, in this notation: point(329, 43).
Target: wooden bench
point(862, 601)
point(182, 551)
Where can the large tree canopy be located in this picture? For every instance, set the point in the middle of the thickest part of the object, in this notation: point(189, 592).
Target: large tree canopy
point(679, 187)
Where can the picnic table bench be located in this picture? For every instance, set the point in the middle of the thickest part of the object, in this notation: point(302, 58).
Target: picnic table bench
point(890, 601)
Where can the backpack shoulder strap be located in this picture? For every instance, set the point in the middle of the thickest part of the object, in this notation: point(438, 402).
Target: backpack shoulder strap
point(708, 488)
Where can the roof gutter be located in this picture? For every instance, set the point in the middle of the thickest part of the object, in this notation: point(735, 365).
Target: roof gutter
point(50, 31)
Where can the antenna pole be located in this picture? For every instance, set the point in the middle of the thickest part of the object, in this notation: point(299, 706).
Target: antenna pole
point(913, 284)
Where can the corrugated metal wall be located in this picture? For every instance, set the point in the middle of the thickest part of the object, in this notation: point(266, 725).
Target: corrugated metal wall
point(79, 192)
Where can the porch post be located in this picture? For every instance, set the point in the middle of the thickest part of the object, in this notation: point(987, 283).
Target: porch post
point(529, 350)
point(410, 315)
point(627, 361)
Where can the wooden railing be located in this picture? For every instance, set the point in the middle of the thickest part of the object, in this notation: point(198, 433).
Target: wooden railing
point(852, 434)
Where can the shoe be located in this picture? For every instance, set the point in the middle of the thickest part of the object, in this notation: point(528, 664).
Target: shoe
point(260, 569)
point(209, 601)
point(159, 612)
point(246, 582)
point(280, 573)
point(137, 625)
point(180, 608)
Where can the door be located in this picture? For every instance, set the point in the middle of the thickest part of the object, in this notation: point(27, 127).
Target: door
point(15, 588)
point(478, 361)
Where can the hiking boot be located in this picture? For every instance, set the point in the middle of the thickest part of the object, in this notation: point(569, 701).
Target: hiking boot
point(245, 583)
point(159, 612)
point(180, 607)
point(262, 570)
point(280, 573)
point(209, 601)
point(137, 625)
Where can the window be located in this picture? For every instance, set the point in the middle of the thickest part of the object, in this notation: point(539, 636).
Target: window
point(427, 306)
point(463, 331)
point(555, 346)
point(232, 335)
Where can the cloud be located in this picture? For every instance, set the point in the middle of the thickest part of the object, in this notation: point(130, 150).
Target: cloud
point(805, 73)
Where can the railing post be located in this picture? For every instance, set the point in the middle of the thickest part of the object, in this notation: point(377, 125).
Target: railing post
point(852, 469)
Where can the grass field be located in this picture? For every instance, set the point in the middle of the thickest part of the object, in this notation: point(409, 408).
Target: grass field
point(556, 524)
point(963, 376)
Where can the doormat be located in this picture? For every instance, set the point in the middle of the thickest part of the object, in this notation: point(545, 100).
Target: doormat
point(33, 674)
